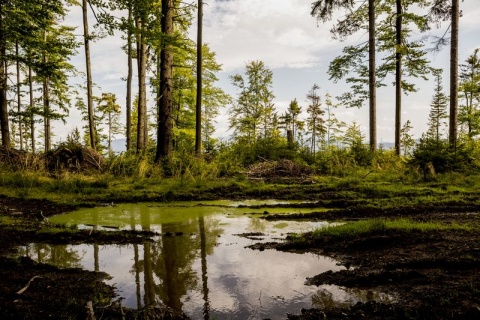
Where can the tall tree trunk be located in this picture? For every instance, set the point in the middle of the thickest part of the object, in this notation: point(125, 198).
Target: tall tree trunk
point(46, 117)
point(398, 77)
point(165, 123)
point(454, 75)
point(110, 151)
point(142, 89)
point(46, 103)
point(372, 81)
point(19, 100)
point(128, 103)
point(32, 112)
point(86, 39)
point(3, 82)
point(198, 108)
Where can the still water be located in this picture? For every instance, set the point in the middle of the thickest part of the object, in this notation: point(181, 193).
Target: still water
point(199, 263)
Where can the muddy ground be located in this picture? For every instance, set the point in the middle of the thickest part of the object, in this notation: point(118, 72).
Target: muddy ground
point(433, 275)
point(29, 290)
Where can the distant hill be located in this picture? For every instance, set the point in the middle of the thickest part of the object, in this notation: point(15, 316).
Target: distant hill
point(386, 145)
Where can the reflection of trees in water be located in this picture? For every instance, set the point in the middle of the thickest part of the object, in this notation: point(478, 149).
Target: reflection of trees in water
point(325, 299)
point(167, 264)
point(257, 225)
point(370, 295)
point(63, 256)
point(203, 259)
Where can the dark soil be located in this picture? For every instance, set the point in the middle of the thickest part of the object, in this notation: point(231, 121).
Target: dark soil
point(50, 292)
point(434, 275)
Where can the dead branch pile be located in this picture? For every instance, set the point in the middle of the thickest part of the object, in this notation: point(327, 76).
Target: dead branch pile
point(275, 169)
point(73, 157)
point(19, 159)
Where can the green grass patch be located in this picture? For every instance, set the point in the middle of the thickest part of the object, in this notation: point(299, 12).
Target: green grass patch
point(382, 225)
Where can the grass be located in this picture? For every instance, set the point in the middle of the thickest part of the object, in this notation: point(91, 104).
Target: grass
point(379, 189)
point(368, 226)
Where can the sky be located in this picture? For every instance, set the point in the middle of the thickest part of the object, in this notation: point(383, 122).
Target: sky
point(298, 50)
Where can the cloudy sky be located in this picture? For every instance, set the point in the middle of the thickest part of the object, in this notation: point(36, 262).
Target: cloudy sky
point(295, 47)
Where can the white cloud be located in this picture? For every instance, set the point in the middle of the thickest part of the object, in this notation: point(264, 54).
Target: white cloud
point(279, 32)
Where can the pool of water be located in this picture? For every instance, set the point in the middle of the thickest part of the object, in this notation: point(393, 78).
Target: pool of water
point(199, 263)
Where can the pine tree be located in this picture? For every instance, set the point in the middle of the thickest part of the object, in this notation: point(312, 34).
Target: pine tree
point(438, 109)
point(315, 122)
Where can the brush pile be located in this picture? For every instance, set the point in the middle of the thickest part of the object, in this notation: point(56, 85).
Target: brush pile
point(18, 159)
point(73, 157)
point(278, 169)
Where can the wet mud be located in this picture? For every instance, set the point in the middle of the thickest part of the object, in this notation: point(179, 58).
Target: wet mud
point(434, 274)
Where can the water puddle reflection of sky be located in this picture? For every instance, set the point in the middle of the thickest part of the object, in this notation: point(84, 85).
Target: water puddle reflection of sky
point(198, 263)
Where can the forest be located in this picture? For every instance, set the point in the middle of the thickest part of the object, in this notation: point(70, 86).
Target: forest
point(184, 224)
point(180, 74)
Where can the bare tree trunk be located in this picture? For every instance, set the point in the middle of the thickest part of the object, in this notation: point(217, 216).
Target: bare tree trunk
point(19, 100)
point(86, 39)
point(110, 151)
point(372, 75)
point(198, 124)
point(142, 108)
point(46, 111)
point(3, 84)
point(32, 113)
point(46, 104)
point(454, 75)
point(165, 123)
point(398, 77)
point(128, 103)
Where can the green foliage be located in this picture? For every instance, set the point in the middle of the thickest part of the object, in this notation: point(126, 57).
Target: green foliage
point(274, 148)
point(432, 156)
point(253, 113)
point(406, 140)
point(129, 164)
point(189, 167)
point(469, 92)
point(438, 109)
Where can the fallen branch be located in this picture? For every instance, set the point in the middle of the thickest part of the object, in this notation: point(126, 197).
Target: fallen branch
point(21, 291)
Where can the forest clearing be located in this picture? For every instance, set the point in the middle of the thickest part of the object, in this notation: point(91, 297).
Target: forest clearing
point(300, 213)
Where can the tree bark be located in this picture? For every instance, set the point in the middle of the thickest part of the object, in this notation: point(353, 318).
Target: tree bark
point(372, 76)
point(86, 39)
point(19, 100)
point(32, 113)
point(454, 75)
point(128, 103)
point(398, 76)
point(198, 108)
point(142, 89)
point(165, 123)
point(3, 83)
point(46, 103)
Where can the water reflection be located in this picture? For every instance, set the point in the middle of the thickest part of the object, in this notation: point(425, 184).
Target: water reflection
point(329, 297)
point(198, 265)
point(63, 256)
